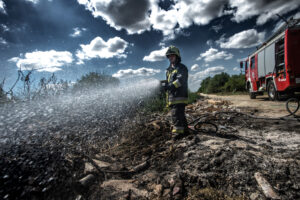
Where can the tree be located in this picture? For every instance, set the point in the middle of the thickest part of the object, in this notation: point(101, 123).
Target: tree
point(217, 82)
point(235, 83)
point(223, 83)
point(204, 85)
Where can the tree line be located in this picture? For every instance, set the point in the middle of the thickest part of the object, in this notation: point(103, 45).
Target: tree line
point(51, 87)
point(223, 83)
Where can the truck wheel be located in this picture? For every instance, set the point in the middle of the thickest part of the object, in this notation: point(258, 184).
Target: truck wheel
point(251, 94)
point(272, 93)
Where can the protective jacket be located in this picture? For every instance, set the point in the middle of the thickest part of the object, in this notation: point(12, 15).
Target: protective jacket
point(177, 79)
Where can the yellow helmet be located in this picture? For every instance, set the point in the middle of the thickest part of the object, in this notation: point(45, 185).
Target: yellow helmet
point(173, 50)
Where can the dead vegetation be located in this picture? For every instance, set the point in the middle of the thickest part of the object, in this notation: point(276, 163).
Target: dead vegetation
point(221, 165)
point(236, 163)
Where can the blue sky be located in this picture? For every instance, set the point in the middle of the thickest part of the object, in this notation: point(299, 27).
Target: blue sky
point(128, 38)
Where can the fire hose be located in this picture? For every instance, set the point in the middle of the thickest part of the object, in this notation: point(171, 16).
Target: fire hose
point(197, 125)
point(292, 106)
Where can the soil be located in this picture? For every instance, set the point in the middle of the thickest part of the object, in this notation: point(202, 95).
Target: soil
point(144, 162)
point(262, 103)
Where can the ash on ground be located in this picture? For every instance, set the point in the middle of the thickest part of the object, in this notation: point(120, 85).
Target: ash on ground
point(143, 162)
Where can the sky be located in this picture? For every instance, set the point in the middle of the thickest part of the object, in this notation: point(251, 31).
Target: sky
point(128, 38)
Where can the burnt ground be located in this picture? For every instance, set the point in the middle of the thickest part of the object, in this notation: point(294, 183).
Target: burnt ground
point(145, 163)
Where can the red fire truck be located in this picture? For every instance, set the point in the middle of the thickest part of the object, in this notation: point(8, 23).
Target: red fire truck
point(275, 66)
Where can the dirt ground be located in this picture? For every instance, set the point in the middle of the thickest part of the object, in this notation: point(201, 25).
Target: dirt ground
point(261, 103)
point(229, 164)
point(247, 158)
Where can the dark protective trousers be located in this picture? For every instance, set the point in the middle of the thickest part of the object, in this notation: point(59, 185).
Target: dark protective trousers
point(178, 118)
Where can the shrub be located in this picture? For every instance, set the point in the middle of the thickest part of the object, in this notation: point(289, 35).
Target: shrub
point(157, 103)
point(223, 83)
point(95, 80)
point(235, 83)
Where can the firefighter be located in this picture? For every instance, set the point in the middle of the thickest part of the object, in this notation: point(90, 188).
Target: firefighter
point(177, 91)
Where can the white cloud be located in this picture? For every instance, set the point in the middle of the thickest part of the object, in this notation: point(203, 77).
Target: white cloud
point(2, 7)
point(209, 42)
point(185, 13)
point(122, 62)
point(33, 1)
point(245, 39)
point(98, 48)
point(208, 71)
point(130, 15)
point(129, 73)
point(195, 67)
point(77, 32)
point(217, 28)
point(182, 13)
point(3, 41)
point(195, 79)
point(164, 21)
point(237, 69)
point(49, 61)
point(213, 54)
point(162, 44)
point(199, 12)
point(264, 9)
point(147, 13)
point(36, 1)
point(157, 55)
point(4, 28)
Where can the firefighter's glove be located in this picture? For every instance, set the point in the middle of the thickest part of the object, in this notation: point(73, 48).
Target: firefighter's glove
point(167, 86)
point(170, 87)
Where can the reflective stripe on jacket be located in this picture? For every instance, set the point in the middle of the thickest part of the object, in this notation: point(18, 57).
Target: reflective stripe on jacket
point(178, 76)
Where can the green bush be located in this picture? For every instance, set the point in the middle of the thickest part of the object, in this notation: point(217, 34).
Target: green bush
point(193, 97)
point(217, 82)
point(222, 83)
point(158, 102)
point(235, 83)
point(95, 80)
point(204, 85)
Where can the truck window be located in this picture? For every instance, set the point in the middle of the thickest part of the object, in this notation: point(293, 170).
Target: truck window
point(279, 56)
point(246, 65)
point(252, 64)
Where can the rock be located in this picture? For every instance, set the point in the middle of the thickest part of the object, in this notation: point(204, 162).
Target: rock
point(101, 164)
point(265, 186)
point(88, 168)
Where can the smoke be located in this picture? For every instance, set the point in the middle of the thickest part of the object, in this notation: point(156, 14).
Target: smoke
point(77, 120)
